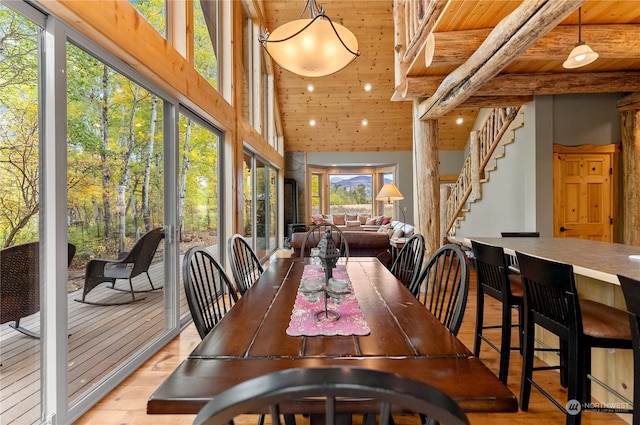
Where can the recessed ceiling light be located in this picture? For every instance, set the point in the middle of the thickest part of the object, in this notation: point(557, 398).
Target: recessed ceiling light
point(310, 87)
point(365, 121)
point(367, 87)
point(312, 123)
point(459, 120)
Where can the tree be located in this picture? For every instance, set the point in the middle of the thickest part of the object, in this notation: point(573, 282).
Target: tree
point(19, 135)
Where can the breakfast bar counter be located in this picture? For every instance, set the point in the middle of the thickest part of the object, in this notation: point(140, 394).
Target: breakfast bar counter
point(596, 266)
point(594, 259)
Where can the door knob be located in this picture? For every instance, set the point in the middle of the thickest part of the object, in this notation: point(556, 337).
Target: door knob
point(562, 229)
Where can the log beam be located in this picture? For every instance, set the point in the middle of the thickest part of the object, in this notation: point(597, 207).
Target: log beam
point(512, 36)
point(610, 41)
point(537, 84)
point(629, 108)
point(426, 186)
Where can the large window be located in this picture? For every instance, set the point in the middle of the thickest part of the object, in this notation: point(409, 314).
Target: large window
point(154, 11)
point(115, 195)
point(346, 190)
point(350, 194)
point(316, 193)
point(260, 204)
point(199, 188)
point(206, 40)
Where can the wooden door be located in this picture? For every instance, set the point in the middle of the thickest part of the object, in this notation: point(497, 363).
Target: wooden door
point(584, 186)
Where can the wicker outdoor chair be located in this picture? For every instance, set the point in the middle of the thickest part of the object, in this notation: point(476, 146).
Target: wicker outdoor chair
point(20, 283)
point(136, 262)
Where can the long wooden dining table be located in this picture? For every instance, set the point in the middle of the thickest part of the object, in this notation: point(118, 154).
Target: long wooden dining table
point(404, 338)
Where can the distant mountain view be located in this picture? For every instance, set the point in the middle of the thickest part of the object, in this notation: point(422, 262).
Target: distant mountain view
point(351, 181)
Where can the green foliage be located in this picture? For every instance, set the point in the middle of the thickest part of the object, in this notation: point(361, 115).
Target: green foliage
point(340, 195)
point(114, 147)
point(205, 58)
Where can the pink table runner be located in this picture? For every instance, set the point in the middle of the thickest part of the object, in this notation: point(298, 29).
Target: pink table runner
point(303, 322)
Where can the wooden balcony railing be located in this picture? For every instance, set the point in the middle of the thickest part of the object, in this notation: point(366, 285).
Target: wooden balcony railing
point(413, 21)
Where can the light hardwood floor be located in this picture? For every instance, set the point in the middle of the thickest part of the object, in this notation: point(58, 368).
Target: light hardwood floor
point(126, 405)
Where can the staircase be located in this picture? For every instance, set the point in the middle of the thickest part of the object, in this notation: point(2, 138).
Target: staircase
point(486, 147)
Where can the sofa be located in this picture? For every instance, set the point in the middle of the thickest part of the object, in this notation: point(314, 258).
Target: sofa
point(361, 243)
point(373, 242)
point(364, 222)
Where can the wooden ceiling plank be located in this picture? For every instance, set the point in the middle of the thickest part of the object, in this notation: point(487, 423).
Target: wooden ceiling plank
point(513, 35)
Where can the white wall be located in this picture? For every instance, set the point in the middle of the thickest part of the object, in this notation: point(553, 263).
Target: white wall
point(519, 195)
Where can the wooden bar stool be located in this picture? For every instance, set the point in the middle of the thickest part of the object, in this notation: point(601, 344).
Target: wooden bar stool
point(495, 280)
point(551, 302)
point(631, 291)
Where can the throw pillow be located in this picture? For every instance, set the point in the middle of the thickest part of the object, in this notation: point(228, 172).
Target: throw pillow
point(353, 223)
point(370, 222)
point(385, 220)
point(338, 219)
point(327, 219)
point(384, 228)
point(317, 219)
point(363, 218)
point(397, 234)
point(377, 220)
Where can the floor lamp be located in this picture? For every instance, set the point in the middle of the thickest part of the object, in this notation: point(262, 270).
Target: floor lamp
point(390, 193)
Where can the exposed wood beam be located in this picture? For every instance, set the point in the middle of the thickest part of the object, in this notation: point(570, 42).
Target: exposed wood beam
point(475, 102)
point(610, 41)
point(512, 36)
point(539, 84)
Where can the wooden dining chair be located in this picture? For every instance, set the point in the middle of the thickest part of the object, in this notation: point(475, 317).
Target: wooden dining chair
point(315, 234)
point(551, 302)
point(408, 264)
point(443, 286)
point(631, 291)
point(324, 390)
point(245, 265)
point(208, 290)
point(494, 280)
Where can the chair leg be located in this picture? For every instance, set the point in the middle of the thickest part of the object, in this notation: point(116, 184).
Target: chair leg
point(527, 365)
point(636, 387)
point(575, 379)
point(520, 326)
point(505, 344)
point(479, 321)
point(153, 288)
point(587, 372)
point(24, 331)
point(564, 371)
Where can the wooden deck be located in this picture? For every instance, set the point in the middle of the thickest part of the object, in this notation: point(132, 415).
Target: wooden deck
point(100, 337)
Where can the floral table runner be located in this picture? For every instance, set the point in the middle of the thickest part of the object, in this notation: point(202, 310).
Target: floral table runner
point(303, 321)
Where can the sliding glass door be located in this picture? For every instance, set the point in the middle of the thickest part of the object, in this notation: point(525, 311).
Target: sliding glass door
point(260, 204)
point(20, 225)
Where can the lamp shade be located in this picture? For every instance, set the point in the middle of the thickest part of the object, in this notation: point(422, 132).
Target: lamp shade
point(389, 192)
point(581, 55)
point(312, 47)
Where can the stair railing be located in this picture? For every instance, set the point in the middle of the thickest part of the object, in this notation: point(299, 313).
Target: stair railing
point(482, 148)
